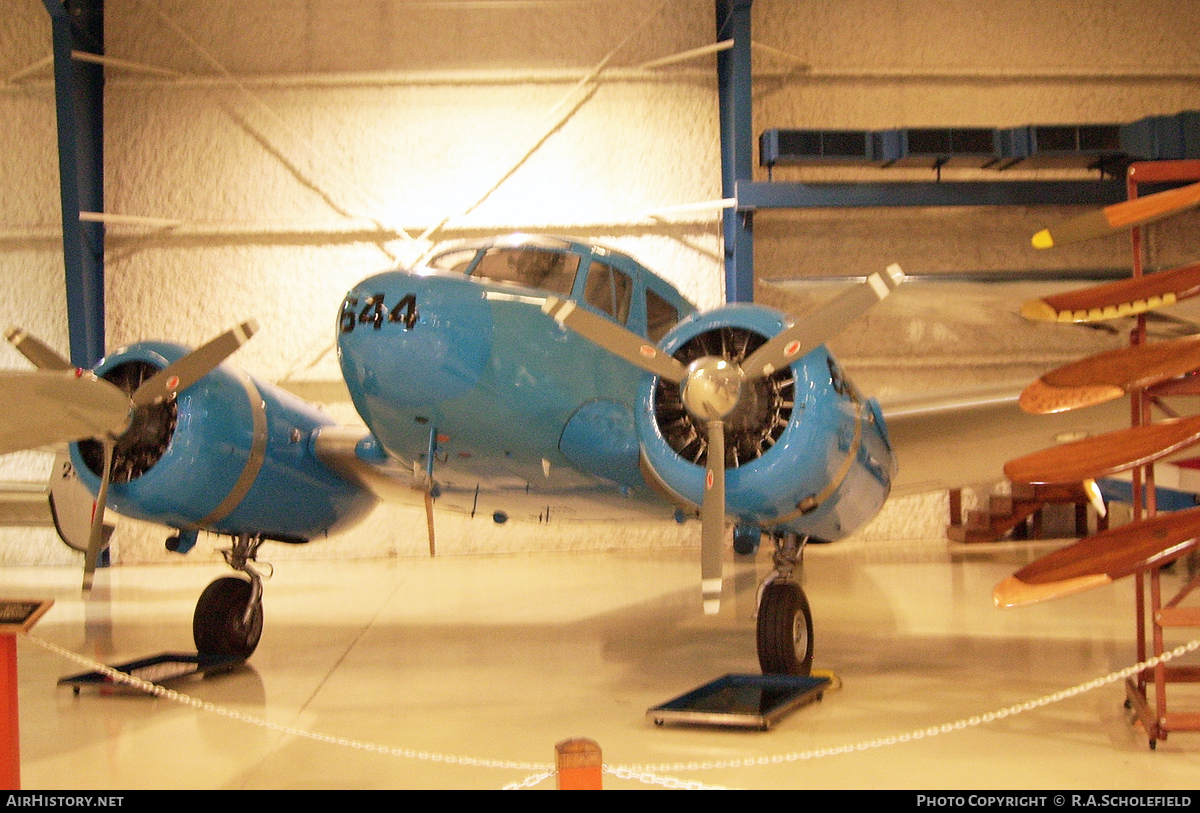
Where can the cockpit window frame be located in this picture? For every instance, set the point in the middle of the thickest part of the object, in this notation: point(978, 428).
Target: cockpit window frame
point(643, 281)
point(530, 267)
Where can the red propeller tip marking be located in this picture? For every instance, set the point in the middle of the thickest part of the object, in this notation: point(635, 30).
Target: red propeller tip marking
point(708, 480)
point(648, 351)
point(792, 348)
point(173, 382)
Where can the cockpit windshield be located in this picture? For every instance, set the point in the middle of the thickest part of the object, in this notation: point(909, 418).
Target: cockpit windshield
point(552, 271)
point(529, 266)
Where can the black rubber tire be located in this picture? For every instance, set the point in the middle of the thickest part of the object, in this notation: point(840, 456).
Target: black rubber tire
point(217, 624)
point(785, 630)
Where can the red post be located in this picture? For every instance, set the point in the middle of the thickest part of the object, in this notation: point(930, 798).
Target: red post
point(10, 747)
point(16, 618)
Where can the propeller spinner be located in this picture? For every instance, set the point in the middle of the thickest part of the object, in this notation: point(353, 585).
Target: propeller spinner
point(713, 387)
point(55, 404)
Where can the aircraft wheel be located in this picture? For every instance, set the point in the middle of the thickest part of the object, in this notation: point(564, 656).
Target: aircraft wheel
point(219, 626)
point(785, 630)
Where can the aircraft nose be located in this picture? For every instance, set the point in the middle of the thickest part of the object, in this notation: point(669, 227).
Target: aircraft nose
point(411, 340)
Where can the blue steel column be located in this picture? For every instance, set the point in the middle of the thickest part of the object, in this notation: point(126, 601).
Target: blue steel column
point(737, 144)
point(78, 25)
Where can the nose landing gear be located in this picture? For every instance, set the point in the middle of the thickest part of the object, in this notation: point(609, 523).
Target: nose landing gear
point(784, 626)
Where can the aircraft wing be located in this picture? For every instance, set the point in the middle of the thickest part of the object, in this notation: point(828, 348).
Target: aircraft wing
point(24, 504)
point(567, 495)
point(339, 448)
point(956, 439)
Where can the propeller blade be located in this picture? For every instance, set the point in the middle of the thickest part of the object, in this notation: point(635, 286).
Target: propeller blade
point(1184, 385)
point(615, 339)
point(1095, 497)
point(96, 534)
point(1101, 559)
point(815, 329)
point(1114, 300)
point(45, 407)
point(1107, 376)
point(429, 518)
point(1102, 455)
point(35, 350)
point(177, 377)
point(712, 519)
point(1119, 216)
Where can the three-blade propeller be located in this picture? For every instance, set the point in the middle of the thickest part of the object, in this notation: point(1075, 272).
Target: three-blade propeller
point(711, 387)
point(57, 403)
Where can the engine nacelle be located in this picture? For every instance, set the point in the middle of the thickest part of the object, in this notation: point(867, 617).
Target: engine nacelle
point(804, 452)
point(229, 454)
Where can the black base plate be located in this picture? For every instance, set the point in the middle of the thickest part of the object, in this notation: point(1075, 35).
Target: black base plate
point(741, 701)
point(160, 669)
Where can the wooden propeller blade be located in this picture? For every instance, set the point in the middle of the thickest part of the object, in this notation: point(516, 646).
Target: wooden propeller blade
point(1107, 376)
point(1119, 216)
point(1113, 300)
point(1101, 559)
point(1102, 455)
point(1185, 385)
point(813, 330)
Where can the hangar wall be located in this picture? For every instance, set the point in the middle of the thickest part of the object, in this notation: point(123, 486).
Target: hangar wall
point(298, 143)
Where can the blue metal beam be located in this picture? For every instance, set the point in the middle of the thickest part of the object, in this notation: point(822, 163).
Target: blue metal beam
point(737, 144)
point(78, 25)
point(752, 195)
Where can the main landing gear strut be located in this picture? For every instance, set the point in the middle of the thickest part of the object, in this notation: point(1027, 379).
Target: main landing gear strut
point(229, 615)
point(785, 628)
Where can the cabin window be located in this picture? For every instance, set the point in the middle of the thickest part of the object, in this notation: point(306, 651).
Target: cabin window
point(609, 291)
point(661, 316)
point(551, 271)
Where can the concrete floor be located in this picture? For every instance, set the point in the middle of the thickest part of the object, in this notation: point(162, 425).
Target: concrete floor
point(456, 662)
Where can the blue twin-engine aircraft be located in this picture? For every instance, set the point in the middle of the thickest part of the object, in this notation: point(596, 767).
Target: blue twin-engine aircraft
point(523, 377)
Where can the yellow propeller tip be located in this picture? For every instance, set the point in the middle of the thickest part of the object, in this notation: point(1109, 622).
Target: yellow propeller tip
point(1013, 592)
point(1043, 239)
point(1038, 310)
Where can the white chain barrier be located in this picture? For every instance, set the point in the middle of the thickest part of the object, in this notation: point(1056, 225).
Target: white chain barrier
point(646, 774)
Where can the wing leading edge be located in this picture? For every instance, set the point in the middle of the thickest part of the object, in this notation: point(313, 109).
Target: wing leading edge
point(963, 438)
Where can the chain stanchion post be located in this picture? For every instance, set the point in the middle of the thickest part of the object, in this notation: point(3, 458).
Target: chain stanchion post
point(10, 747)
point(580, 764)
point(16, 618)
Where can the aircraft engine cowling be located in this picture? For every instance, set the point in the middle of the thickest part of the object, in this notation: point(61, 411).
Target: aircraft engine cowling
point(804, 452)
point(229, 454)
